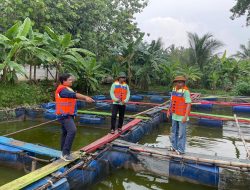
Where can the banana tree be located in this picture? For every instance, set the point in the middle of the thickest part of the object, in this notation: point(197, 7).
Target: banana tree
point(89, 73)
point(63, 49)
point(18, 43)
point(12, 44)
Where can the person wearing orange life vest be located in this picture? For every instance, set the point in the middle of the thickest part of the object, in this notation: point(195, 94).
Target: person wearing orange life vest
point(180, 109)
point(120, 95)
point(66, 111)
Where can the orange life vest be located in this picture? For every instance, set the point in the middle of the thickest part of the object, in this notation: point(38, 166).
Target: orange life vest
point(64, 106)
point(179, 105)
point(121, 90)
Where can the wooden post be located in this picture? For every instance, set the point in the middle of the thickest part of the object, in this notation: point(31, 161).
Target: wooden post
point(30, 72)
point(34, 72)
point(33, 165)
point(47, 73)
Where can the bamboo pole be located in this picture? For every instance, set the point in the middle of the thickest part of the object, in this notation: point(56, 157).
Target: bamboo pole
point(193, 158)
point(241, 136)
point(109, 114)
point(152, 108)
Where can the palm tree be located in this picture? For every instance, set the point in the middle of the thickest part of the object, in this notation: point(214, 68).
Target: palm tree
point(244, 54)
point(192, 73)
point(202, 48)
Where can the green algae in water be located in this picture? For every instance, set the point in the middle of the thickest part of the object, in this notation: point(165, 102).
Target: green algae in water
point(47, 135)
point(8, 174)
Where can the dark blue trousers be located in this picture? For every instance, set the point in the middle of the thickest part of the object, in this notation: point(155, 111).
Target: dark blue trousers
point(68, 134)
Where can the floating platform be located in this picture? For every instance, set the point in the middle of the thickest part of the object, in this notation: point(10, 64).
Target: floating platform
point(136, 98)
point(157, 99)
point(112, 154)
point(210, 122)
point(30, 147)
point(91, 119)
point(241, 109)
point(196, 168)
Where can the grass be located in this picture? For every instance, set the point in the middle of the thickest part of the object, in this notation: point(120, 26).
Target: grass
point(24, 94)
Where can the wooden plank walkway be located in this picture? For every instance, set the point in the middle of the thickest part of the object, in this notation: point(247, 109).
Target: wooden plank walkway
point(37, 174)
point(30, 147)
point(109, 137)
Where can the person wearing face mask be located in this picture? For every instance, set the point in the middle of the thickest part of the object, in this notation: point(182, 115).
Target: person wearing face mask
point(120, 95)
point(180, 109)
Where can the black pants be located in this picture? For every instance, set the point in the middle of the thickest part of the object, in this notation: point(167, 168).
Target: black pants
point(68, 134)
point(115, 109)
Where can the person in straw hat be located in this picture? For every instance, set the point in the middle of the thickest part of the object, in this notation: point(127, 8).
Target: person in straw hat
point(120, 95)
point(180, 109)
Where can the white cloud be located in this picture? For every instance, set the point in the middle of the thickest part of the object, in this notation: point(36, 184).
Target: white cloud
point(171, 19)
point(171, 30)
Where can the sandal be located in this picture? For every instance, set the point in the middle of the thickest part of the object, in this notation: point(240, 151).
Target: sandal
point(112, 131)
point(119, 130)
point(171, 149)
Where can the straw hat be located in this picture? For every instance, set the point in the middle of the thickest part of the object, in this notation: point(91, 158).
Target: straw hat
point(180, 78)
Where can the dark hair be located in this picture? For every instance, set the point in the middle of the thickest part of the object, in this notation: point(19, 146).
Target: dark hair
point(63, 77)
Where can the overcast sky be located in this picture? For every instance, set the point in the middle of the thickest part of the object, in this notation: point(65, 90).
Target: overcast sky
point(172, 19)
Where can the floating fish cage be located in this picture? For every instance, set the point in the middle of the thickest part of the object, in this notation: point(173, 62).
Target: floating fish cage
point(103, 106)
point(120, 155)
point(50, 114)
point(14, 157)
point(136, 98)
point(131, 108)
point(100, 97)
point(91, 119)
point(157, 99)
point(20, 113)
point(241, 109)
point(210, 99)
point(210, 122)
point(203, 106)
point(109, 157)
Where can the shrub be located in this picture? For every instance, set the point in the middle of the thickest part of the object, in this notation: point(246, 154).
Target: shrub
point(242, 88)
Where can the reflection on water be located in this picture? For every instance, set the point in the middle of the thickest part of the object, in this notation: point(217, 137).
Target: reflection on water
point(204, 140)
point(129, 180)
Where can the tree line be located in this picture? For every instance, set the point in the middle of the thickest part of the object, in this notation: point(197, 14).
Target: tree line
point(95, 40)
